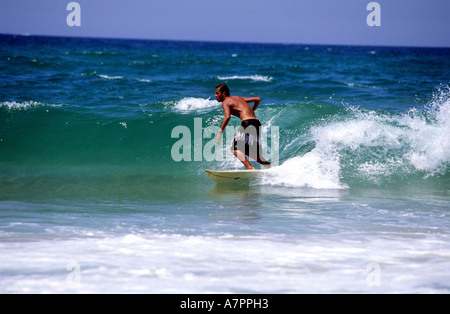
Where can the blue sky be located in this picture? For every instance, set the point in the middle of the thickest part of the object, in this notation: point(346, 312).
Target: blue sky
point(403, 22)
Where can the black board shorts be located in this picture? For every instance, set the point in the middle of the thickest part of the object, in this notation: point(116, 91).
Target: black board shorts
point(247, 138)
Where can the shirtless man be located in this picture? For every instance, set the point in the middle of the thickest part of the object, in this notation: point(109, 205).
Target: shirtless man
point(247, 140)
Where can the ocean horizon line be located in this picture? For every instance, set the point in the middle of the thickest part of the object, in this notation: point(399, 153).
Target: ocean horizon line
point(225, 41)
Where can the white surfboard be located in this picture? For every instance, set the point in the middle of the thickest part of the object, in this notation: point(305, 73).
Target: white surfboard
point(233, 175)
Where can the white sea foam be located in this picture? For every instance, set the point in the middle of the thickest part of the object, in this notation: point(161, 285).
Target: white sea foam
point(372, 146)
point(318, 169)
point(426, 134)
point(118, 77)
point(256, 78)
point(174, 263)
point(192, 104)
point(107, 77)
point(14, 105)
point(143, 80)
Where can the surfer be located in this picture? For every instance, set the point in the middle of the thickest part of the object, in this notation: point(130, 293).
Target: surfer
point(247, 141)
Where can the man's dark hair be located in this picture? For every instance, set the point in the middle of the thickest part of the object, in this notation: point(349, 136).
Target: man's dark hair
point(223, 88)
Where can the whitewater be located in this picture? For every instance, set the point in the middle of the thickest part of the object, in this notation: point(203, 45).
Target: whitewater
point(91, 200)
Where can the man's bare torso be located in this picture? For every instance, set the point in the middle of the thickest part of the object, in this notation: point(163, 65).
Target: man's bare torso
point(240, 108)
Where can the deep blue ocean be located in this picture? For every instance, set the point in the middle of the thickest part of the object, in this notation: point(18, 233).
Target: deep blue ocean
point(93, 201)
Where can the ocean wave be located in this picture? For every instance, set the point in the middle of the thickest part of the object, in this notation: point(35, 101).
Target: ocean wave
point(117, 77)
point(353, 146)
point(192, 104)
point(143, 80)
point(432, 150)
point(375, 147)
point(256, 78)
point(310, 171)
point(25, 105)
point(107, 77)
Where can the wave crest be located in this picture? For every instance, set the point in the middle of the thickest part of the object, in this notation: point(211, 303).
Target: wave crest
point(373, 146)
point(256, 78)
point(192, 104)
point(25, 105)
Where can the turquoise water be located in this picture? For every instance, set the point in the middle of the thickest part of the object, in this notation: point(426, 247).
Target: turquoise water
point(91, 199)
